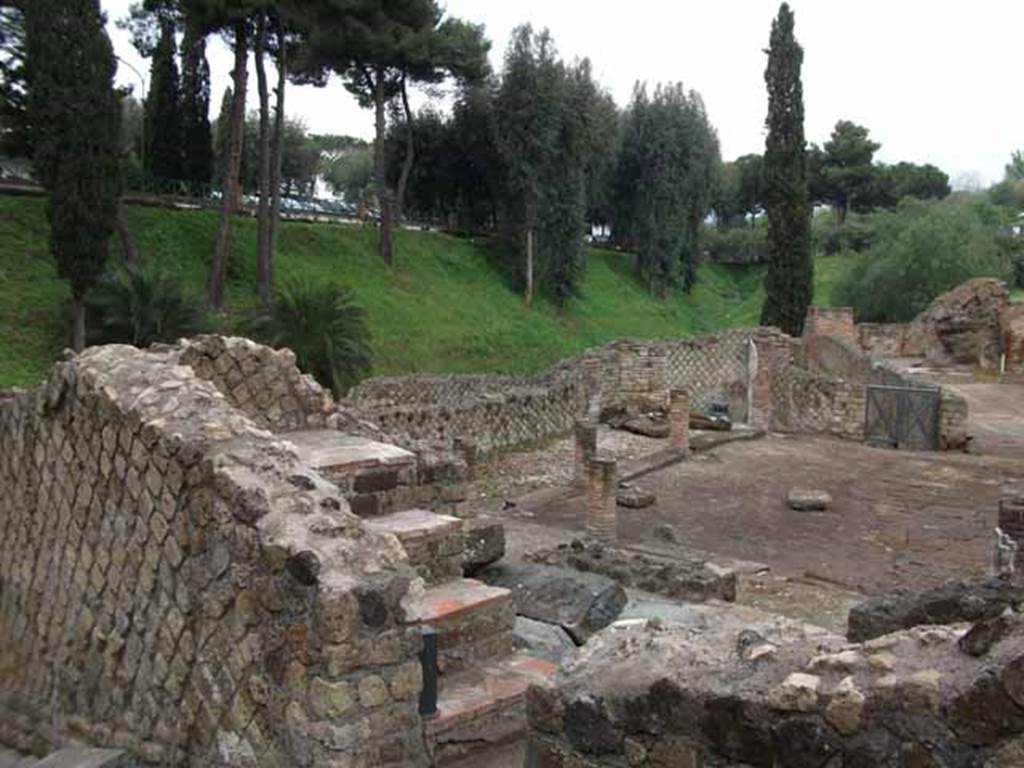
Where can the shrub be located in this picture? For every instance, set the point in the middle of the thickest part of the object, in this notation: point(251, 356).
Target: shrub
point(141, 306)
point(740, 245)
point(325, 328)
point(855, 236)
point(921, 251)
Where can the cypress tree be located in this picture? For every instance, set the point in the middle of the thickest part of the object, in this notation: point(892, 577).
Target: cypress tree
point(163, 111)
point(789, 284)
point(76, 117)
point(197, 135)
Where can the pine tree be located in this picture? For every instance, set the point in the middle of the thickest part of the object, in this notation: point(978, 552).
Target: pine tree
point(789, 284)
point(197, 135)
point(163, 111)
point(76, 117)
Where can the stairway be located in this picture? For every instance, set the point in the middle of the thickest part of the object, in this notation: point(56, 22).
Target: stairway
point(482, 683)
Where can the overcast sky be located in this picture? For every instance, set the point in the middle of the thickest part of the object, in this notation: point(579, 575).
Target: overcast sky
point(936, 81)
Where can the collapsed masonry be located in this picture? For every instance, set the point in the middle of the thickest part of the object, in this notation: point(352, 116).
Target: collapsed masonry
point(649, 694)
point(973, 324)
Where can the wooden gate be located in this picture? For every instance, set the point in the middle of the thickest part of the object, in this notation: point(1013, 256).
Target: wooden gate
point(903, 417)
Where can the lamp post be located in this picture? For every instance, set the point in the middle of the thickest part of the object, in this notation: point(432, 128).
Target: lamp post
point(142, 131)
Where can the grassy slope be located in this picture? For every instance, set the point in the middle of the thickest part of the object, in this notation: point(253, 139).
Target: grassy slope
point(441, 309)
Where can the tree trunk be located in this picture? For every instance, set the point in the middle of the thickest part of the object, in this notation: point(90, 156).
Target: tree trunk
point(231, 189)
point(124, 234)
point(410, 150)
point(277, 149)
point(78, 323)
point(380, 170)
point(529, 268)
point(263, 212)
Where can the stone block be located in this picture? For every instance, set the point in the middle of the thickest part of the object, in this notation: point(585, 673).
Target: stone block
point(633, 497)
point(546, 641)
point(483, 544)
point(581, 603)
point(805, 500)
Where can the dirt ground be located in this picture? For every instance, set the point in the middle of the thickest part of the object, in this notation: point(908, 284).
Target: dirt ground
point(897, 519)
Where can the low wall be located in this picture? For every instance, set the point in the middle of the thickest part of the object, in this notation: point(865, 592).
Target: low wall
point(653, 695)
point(830, 321)
point(503, 411)
point(888, 340)
point(175, 582)
point(828, 393)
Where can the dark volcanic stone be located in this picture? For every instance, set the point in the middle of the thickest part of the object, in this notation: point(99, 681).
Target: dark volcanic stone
point(805, 743)
point(581, 603)
point(588, 729)
point(949, 604)
point(983, 635)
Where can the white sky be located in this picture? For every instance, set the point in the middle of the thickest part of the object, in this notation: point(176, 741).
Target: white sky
point(936, 81)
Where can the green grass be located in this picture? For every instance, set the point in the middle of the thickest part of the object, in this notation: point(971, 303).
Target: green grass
point(1017, 295)
point(443, 308)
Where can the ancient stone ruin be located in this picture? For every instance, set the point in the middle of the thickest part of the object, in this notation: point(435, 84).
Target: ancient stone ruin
point(207, 561)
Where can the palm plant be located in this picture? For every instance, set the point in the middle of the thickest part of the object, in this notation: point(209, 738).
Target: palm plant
point(325, 328)
point(141, 306)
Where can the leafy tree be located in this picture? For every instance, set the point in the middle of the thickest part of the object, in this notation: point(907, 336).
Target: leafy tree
point(163, 156)
point(380, 48)
point(544, 116)
point(222, 134)
point(921, 250)
point(197, 133)
point(141, 306)
point(666, 180)
point(924, 182)
point(789, 283)
point(847, 170)
point(326, 329)
point(75, 115)
point(233, 17)
point(750, 186)
point(14, 134)
point(300, 162)
point(351, 173)
point(1015, 168)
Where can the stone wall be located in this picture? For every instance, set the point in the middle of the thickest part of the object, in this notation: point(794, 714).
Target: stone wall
point(887, 340)
point(963, 325)
point(261, 382)
point(653, 695)
point(174, 581)
point(830, 321)
point(827, 393)
point(1012, 325)
point(503, 411)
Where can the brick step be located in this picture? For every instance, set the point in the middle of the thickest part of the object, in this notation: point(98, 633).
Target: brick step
point(482, 709)
point(433, 542)
point(474, 621)
point(375, 477)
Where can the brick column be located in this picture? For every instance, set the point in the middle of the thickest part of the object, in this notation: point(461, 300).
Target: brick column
point(1011, 521)
point(602, 484)
point(679, 419)
point(585, 433)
